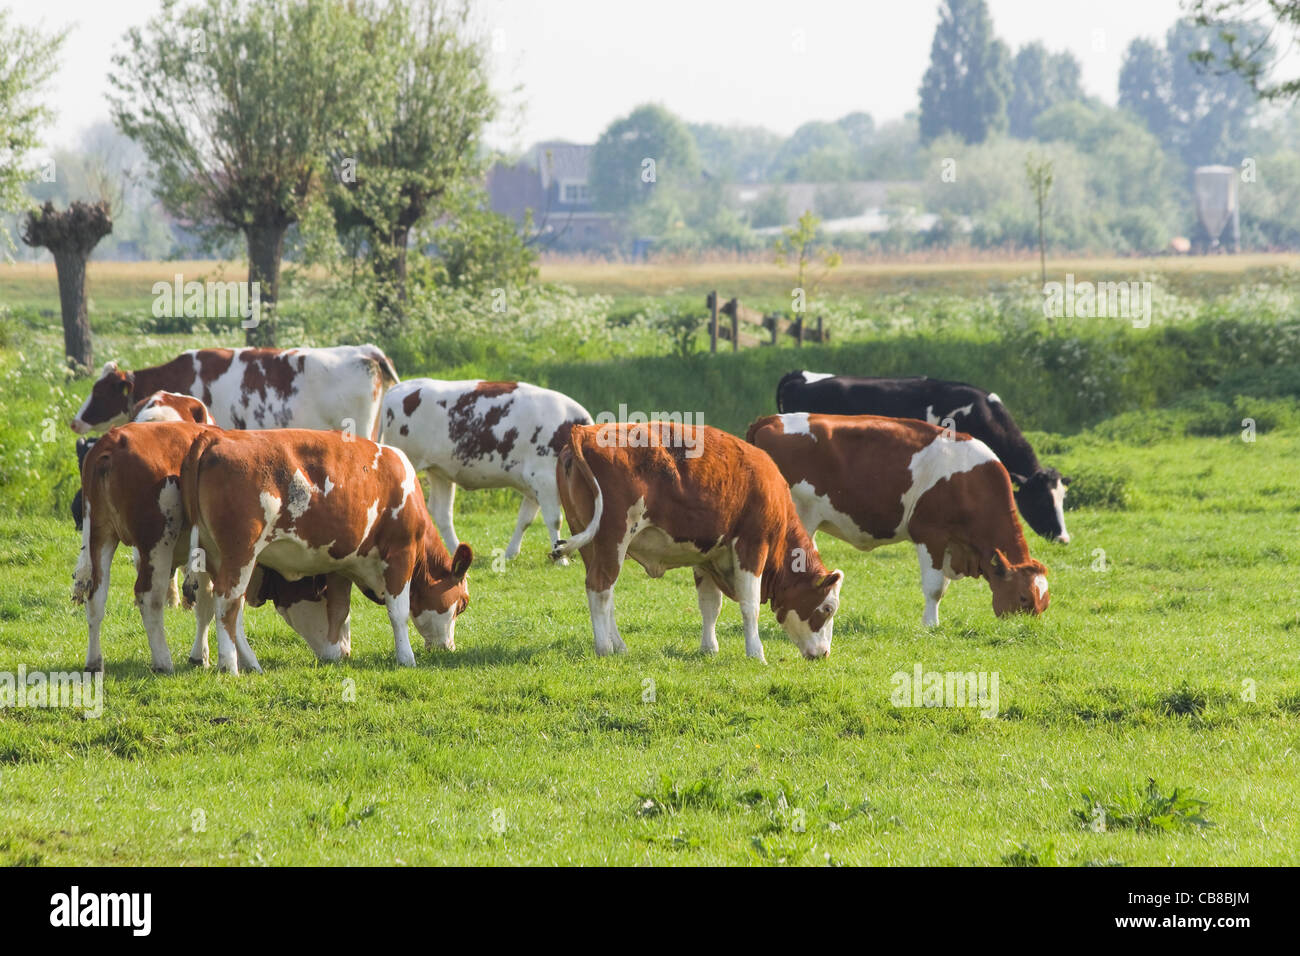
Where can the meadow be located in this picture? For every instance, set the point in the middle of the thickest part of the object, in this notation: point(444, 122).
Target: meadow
point(1162, 685)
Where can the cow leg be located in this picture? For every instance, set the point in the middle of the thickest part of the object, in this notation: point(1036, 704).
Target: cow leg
point(203, 610)
point(710, 597)
point(97, 562)
point(153, 574)
point(173, 592)
point(442, 495)
point(934, 584)
point(399, 613)
point(527, 512)
point(749, 591)
point(231, 642)
point(338, 611)
point(601, 605)
point(548, 499)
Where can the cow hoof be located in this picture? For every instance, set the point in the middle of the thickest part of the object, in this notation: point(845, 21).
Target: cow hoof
point(557, 552)
point(155, 668)
point(408, 661)
point(198, 662)
point(96, 666)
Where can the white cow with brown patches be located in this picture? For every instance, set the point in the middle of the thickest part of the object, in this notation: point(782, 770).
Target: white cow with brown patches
point(479, 434)
point(873, 481)
point(254, 388)
point(306, 503)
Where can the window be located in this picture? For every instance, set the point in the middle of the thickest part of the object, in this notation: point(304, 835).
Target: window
point(574, 193)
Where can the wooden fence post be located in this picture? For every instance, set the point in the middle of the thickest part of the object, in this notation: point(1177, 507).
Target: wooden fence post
point(713, 321)
point(821, 339)
point(735, 327)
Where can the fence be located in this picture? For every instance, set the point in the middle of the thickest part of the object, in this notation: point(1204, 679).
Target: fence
point(774, 324)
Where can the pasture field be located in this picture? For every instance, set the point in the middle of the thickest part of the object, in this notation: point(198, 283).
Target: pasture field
point(1170, 652)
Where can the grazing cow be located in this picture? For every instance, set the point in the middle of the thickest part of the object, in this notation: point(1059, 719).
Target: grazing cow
point(131, 485)
point(871, 481)
point(1040, 492)
point(669, 495)
point(305, 503)
point(254, 388)
point(483, 435)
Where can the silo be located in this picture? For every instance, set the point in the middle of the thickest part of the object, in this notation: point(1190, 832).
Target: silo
point(1215, 188)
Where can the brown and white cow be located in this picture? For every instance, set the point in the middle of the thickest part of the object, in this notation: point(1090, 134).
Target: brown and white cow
point(131, 495)
point(480, 434)
point(305, 503)
point(326, 388)
point(872, 481)
point(669, 495)
point(163, 406)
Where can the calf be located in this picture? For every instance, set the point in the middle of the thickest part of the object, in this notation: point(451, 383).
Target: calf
point(873, 481)
point(484, 435)
point(158, 407)
point(310, 502)
point(130, 487)
point(1040, 492)
point(670, 495)
point(254, 388)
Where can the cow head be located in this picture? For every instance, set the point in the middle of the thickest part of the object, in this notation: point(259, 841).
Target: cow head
point(1040, 498)
point(806, 609)
point(1017, 588)
point(109, 403)
point(436, 602)
point(78, 501)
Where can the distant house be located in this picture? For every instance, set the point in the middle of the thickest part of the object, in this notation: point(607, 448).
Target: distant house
point(553, 180)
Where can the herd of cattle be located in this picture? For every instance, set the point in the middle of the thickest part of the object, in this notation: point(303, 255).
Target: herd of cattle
point(291, 475)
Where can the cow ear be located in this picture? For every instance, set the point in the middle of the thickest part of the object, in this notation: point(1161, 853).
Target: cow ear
point(1066, 481)
point(830, 580)
point(1001, 566)
point(1018, 479)
point(461, 560)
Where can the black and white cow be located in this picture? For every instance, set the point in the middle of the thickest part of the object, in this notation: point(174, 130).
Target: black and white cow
point(1040, 492)
point(480, 434)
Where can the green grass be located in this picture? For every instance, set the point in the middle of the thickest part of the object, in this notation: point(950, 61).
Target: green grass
point(522, 747)
point(1169, 654)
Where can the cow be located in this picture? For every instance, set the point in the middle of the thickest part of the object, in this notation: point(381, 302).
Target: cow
point(1040, 492)
point(872, 481)
point(670, 495)
point(130, 483)
point(480, 434)
point(312, 502)
point(325, 388)
point(158, 407)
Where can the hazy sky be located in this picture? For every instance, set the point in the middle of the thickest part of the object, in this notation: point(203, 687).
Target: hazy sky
point(581, 63)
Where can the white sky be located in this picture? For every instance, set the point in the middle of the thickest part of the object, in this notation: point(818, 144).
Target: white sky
point(582, 63)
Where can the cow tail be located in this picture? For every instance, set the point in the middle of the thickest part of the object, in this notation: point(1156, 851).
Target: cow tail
point(570, 457)
point(190, 473)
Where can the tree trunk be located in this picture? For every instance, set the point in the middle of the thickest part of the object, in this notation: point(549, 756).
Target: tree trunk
point(265, 249)
point(389, 261)
point(71, 269)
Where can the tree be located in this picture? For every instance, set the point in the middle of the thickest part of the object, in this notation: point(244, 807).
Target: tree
point(648, 146)
point(1202, 115)
point(27, 61)
point(799, 242)
point(1145, 86)
point(815, 152)
point(1244, 53)
point(1039, 173)
point(236, 103)
point(71, 235)
point(735, 153)
point(429, 129)
point(1040, 80)
point(966, 87)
